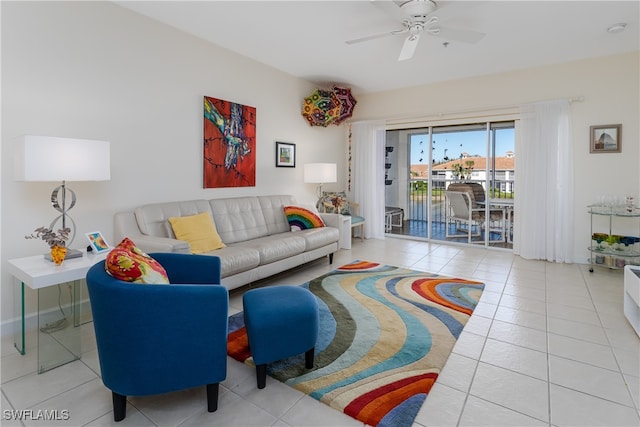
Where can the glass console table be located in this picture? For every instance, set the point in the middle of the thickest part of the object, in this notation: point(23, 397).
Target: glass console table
point(58, 317)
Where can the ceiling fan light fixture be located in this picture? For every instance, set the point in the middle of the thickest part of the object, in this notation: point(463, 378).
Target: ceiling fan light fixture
point(419, 7)
point(416, 30)
point(617, 28)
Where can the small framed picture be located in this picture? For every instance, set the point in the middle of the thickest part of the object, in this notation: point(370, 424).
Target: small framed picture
point(285, 155)
point(606, 139)
point(97, 242)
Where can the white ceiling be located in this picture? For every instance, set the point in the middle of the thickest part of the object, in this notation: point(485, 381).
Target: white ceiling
point(307, 38)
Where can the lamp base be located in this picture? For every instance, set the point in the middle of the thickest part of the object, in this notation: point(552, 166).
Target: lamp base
point(71, 253)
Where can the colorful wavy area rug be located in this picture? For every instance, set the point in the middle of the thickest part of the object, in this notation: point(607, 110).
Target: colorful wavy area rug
point(385, 335)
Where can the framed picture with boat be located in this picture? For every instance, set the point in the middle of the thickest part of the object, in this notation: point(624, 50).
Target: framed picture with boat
point(606, 139)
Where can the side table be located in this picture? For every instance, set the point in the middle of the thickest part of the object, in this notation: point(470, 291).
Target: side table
point(345, 232)
point(58, 296)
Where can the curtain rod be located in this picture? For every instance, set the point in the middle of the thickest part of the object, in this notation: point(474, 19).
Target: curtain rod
point(507, 107)
point(477, 112)
point(571, 100)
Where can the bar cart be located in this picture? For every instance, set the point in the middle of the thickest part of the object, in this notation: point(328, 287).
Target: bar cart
point(607, 248)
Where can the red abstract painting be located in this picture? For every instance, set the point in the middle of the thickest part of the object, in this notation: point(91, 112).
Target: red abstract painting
point(229, 144)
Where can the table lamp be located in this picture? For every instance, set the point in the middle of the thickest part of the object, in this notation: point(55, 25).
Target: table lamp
point(48, 158)
point(320, 173)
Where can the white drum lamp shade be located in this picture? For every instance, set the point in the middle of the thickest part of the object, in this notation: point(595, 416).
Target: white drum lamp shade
point(320, 173)
point(47, 158)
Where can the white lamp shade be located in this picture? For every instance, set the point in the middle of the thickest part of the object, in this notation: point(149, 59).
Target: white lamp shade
point(320, 173)
point(48, 158)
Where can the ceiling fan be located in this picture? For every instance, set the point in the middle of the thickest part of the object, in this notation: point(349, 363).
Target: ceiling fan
point(416, 18)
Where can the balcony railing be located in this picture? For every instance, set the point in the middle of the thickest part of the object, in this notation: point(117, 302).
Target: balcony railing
point(418, 193)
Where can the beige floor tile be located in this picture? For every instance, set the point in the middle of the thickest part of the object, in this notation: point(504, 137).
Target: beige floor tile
point(518, 392)
point(577, 329)
point(515, 358)
point(82, 404)
point(582, 351)
point(519, 335)
point(469, 345)
point(589, 379)
point(522, 318)
point(572, 408)
point(27, 391)
point(458, 372)
point(309, 412)
point(482, 413)
point(442, 407)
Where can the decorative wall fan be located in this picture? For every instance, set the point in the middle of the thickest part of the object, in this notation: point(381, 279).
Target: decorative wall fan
point(416, 18)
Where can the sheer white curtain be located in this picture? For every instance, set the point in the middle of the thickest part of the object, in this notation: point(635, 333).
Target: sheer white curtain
point(367, 174)
point(544, 177)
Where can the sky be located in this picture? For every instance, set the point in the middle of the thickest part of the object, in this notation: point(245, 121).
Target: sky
point(452, 144)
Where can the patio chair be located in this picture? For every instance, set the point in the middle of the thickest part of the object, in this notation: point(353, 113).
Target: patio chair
point(460, 209)
point(393, 217)
point(474, 189)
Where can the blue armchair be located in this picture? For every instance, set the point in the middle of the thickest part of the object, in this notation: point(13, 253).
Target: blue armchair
point(155, 339)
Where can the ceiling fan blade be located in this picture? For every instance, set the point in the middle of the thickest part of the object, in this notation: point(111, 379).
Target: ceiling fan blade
point(365, 39)
point(454, 34)
point(377, 36)
point(409, 47)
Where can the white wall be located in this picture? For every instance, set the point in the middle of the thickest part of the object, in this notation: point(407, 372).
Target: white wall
point(98, 71)
point(610, 87)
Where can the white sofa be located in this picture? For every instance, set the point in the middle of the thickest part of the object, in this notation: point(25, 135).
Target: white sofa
point(258, 239)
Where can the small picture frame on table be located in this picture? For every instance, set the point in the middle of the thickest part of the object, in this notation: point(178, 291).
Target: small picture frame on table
point(285, 155)
point(97, 242)
point(606, 139)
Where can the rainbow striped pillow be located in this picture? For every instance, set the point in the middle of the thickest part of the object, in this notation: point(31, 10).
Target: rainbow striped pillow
point(302, 219)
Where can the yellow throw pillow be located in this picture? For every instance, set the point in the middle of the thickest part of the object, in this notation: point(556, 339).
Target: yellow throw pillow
point(198, 230)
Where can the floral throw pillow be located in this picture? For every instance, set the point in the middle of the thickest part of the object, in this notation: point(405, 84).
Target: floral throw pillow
point(128, 263)
point(335, 202)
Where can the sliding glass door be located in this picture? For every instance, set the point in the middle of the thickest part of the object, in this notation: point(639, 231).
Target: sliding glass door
point(475, 158)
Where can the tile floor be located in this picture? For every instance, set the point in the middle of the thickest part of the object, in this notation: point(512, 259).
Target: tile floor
point(548, 345)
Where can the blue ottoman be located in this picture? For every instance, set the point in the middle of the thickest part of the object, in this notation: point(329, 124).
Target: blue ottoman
point(281, 321)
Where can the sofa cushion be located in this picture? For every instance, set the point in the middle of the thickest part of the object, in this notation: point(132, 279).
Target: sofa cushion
point(198, 230)
point(236, 259)
point(318, 237)
point(152, 219)
point(300, 218)
point(128, 263)
point(238, 219)
point(272, 208)
point(276, 247)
